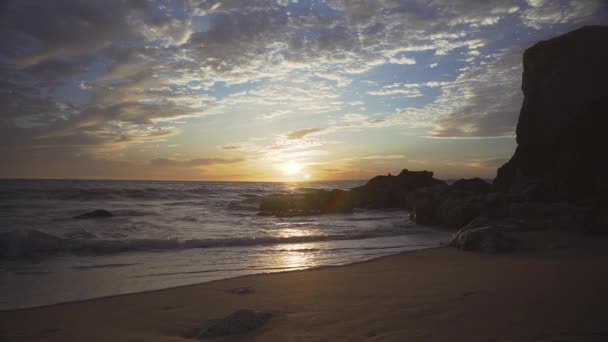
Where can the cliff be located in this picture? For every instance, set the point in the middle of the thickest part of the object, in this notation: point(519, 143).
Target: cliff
point(562, 148)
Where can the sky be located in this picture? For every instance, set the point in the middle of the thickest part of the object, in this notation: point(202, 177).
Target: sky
point(267, 90)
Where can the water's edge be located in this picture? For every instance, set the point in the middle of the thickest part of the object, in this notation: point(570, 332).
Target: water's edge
point(307, 269)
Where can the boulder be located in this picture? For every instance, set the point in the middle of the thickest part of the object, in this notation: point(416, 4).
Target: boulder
point(445, 206)
point(476, 185)
point(555, 216)
point(560, 132)
point(238, 322)
point(99, 213)
point(392, 191)
point(423, 203)
point(458, 209)
point(484, 239)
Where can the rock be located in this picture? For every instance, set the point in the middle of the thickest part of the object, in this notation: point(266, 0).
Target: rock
point(423, 203)
point(99, 213)
point(597, 220)
point(476, 185)
point(443, 205)
point(478, 222)
point(560, 133)
point(380, 192)
point(484, 239)
point(241, 290)
point(557, 216)
point(238, 322)
point(392, 191)
point(457, 209)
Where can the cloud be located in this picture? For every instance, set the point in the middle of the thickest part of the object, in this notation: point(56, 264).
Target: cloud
point(67, 28)
point(487, 163)
point(230, 147)
point(411, 92)
point(194, 162)
point(543, 12)
point(275, 114)
point(483, 101)
point(299, 134)
point(402, 60)
point(96, 79)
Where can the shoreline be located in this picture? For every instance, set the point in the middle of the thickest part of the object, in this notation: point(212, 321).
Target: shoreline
point(436, 294)
point(218, 280)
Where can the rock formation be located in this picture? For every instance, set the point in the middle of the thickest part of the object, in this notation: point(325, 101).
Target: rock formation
point(98, 213)
point(555, 179)
point(392, 191)
point(379, 192)
point(560, 133)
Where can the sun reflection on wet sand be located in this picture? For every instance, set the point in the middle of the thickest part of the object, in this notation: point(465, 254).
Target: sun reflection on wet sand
point(296, 256)
point(297, 232)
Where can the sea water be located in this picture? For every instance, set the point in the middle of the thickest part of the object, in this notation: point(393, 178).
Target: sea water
point(166, 233)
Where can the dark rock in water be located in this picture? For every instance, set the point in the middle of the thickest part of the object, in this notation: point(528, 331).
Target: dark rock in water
point(392, 191)
point(238, 322)
point(380, 192)
point(476, 185)
point(99, 213)
point(561, 129)
point(445, 206)
point(484, 239)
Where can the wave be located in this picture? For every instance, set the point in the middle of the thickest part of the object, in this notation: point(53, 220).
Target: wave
point(102, 266)
point(34, 243)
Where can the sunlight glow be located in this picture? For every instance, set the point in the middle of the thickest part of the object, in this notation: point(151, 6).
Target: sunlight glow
point(293, 168)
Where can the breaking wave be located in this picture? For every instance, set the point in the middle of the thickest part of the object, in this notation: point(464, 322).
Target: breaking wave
point(29, 243)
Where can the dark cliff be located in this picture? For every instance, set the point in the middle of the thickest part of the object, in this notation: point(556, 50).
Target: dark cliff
point(561, 133)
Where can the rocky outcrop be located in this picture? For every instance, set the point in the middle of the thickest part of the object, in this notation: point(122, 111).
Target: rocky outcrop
point(392, 191)
point(451, 207)
point(484, 239)
point(560, 133)
point(476, 185)
point(378, 193)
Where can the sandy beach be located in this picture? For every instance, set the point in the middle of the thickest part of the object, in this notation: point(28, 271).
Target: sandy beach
point(552, 292)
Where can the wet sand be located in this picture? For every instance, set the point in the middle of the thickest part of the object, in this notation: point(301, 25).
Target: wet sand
point(556, 290)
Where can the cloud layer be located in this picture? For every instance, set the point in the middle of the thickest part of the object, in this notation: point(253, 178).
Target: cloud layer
point(191, 83)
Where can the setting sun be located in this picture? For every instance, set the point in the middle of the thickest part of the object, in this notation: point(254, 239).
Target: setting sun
point(293, 168)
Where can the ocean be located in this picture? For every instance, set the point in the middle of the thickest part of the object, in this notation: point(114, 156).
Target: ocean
point(171, 233)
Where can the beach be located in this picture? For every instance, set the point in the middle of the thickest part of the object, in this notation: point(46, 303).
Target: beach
point(551, 289)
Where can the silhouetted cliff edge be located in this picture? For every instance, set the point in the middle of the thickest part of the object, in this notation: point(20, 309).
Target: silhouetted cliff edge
point(561, 132)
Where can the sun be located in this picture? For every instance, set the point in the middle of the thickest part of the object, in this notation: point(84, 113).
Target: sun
point(293, 168)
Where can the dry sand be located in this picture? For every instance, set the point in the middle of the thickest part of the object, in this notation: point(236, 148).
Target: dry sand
point(558, 292)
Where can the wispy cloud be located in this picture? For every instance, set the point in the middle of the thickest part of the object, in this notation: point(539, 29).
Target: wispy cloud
point(299, 134)
point(98, 80)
